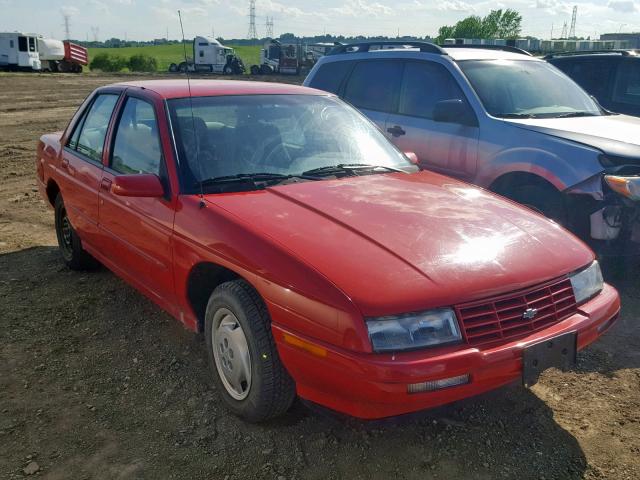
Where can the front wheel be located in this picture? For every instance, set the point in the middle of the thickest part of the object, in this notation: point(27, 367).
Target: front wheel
point(247, 370)
point(543, 199)
point(74, 256)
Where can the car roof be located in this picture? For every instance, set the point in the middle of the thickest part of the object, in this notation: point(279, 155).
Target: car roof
point(461, 53)
point(179, 88)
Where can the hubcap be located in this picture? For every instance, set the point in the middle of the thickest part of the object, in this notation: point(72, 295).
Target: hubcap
point(231, 354)
point(66, 231)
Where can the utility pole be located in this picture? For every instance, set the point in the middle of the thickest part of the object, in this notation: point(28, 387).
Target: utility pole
point(564, 31)
point(572, 30)
point(67, 26)
point(95, 32)
point(252, 35)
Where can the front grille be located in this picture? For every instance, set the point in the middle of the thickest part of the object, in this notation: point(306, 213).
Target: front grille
point(502, 318)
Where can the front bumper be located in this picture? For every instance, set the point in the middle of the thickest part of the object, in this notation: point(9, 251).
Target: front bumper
point(374, 386)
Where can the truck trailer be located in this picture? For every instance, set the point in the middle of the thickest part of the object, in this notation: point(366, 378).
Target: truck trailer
point(61, 56)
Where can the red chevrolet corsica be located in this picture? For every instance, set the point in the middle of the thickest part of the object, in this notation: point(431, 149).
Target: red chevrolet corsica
point(315, 257)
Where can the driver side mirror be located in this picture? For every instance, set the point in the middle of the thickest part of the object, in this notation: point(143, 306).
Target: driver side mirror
point(137, 185)
point(454, 111)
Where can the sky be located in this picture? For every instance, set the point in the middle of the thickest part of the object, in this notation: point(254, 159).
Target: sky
point(149, 19)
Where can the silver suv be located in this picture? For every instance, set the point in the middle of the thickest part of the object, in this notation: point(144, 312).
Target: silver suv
point(504, 120)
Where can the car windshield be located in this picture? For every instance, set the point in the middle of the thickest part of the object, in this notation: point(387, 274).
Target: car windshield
point(527, 89)
point(285, 135)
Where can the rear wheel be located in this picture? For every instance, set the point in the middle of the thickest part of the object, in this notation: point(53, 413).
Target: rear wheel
point(247, 370)
point(255, 70)
point(74, 256)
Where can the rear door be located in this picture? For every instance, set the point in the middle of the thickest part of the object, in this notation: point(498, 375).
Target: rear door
point(80, 169)
point(137, 231)
point(448, 147)
point(373, 88)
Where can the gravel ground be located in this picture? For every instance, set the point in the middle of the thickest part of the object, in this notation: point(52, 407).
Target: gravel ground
point(97, 382)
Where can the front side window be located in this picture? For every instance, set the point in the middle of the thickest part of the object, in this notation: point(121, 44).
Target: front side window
point(22, 44)
point(527, 89)
point(627, 86)
point(373, 85)
point(136, 148)
point(88, 136)
point(424, 85)
point(278, 134)
point(330, 75)
point(11, 44)
point(32, 44)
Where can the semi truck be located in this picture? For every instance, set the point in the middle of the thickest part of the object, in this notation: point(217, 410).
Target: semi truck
point(210, 56)
point(276, 57)
point(32, 52)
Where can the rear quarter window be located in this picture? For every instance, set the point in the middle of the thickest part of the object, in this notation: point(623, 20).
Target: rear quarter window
point(329, 76)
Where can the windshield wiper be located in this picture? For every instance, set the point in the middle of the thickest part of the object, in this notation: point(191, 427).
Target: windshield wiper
point(351, 168)
point(514, 115)
point(252, 178)
point(576, 114)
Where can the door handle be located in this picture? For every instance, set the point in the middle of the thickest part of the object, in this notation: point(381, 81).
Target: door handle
point(396, 131)
point(105, 184)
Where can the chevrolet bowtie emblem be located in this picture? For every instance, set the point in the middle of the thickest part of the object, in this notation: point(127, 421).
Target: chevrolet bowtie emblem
point(529, 313)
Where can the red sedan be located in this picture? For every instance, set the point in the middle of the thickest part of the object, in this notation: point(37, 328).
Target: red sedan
point(314, 256)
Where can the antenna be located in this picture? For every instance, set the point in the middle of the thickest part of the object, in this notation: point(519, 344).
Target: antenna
point(193, 119)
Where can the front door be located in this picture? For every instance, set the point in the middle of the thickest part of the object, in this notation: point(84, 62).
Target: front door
point(137, 231)
point(450, 148)
point(81, 166)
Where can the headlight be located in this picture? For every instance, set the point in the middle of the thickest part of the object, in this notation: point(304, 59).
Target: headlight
point(414, 330)
point(587, 283)
point(626, 186)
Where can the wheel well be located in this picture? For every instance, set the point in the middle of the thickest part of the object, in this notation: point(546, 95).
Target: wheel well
point(202, 281)
point(52, 191)
point(508, 182)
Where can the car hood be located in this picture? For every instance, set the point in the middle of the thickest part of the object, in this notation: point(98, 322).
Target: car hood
point(612, 134)
point(404, 242)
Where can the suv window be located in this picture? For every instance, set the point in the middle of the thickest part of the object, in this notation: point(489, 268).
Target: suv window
point(373, 85)
point(88, 136)
point(627, 86)
point(425, 84)
point(330, 75)
point(592, 75)
point(22, 44)
point(136, 147)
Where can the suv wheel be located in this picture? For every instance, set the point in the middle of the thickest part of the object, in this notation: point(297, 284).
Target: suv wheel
point(543, 199)
point(247, 370)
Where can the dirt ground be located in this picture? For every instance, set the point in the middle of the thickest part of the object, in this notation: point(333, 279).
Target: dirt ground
point(97, 382)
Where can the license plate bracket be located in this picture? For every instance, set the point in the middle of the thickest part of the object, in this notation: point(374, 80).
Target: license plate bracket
point(559, 352)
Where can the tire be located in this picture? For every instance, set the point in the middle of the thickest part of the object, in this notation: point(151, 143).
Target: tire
point(255, 70)
point(227, 70)
point(262, 388)
point(183, 67)
point(543, 199)
point(173, 68)
point(73, 255)
point(266, 70)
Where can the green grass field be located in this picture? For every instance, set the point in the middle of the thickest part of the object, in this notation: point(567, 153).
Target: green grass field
point(167, 54)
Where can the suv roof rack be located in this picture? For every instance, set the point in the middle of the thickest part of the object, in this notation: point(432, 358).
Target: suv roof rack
point(361, 47)
point(504, 48)
point(624, 53)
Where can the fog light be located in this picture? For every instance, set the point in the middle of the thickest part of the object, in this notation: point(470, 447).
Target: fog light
point(437, 384)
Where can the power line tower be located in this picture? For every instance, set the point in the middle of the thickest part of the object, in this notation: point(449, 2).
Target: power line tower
point(252, 20)
point(67, 26)
point(95, 32)
point(269, 27)
point(564, 31)
point(572, 30)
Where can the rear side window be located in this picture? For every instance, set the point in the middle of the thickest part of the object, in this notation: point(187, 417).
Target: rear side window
point(592, 75)
point(137, 144)
point(88, 137)
point(22, 44)
point(374, 84)
point(329, 76)
point(627, 87)
point(425, 84)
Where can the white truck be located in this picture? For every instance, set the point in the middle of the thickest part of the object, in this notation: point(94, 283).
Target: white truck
point(210, 56)
point(61, 56)
point(19, 51)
